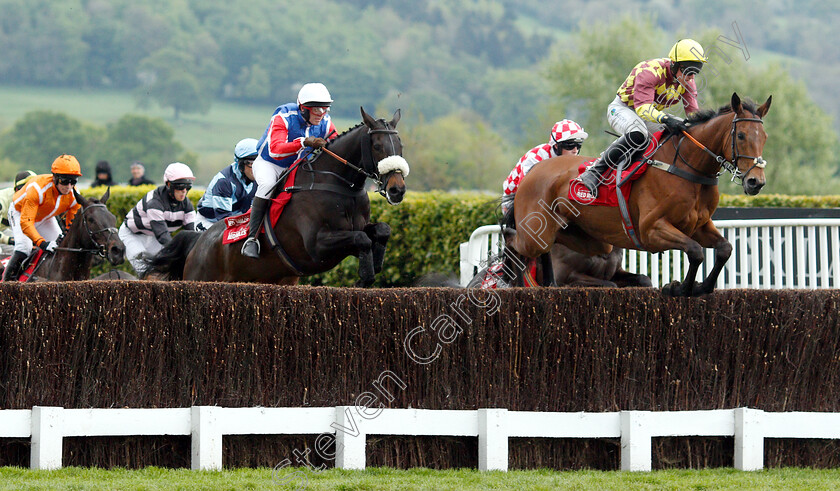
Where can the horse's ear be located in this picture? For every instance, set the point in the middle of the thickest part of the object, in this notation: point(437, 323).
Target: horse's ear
point(762, 109)
point(367, 118)
point(735, 104)
point(105, 196)
point(395, 119)
point(79, 198)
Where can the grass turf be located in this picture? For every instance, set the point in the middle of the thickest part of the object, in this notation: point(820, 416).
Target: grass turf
point(415, 479)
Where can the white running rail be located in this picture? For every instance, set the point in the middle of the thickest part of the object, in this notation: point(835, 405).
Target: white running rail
point(350, 425)
point(766, 253)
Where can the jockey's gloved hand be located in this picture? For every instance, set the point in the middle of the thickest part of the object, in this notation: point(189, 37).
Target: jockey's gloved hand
point(674, 124)
point(313, 142)
point(48, 246)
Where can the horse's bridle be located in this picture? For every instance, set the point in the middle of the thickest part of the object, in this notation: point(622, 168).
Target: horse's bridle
point(367, 158)
point(729, 165)
point(100, 248)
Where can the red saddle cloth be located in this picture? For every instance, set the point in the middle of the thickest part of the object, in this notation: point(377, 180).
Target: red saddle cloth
point(236, 228)
point(33, 265)
point(24, 277)
point(607, 190)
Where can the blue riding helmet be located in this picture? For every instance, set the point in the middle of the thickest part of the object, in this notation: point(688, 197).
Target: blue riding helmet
point(246, 149)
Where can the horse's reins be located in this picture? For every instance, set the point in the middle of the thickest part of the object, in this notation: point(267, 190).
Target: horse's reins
point(100, 250)
point(731, 166)
point(366, 156)
point(702, 179)
point(272, 239)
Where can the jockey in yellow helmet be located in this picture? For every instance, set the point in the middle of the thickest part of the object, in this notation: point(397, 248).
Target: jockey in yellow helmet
point(637, 109)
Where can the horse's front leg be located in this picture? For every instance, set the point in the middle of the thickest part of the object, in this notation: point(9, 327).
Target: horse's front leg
point(664, 236)
point(348, 243)
point(709, 236)
point(379, 233)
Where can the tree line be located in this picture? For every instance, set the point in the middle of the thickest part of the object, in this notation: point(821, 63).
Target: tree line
point(480, 82)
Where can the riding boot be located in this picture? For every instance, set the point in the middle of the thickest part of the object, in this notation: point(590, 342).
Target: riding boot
point(251, 247)
point(623, 147)
point(12, 271)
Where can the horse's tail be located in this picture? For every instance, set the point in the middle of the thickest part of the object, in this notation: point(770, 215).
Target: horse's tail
point(507, 220)
point(168, 264)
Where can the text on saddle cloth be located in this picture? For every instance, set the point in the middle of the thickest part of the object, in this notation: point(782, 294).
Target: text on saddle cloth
point(236, 227)
point(607, 190)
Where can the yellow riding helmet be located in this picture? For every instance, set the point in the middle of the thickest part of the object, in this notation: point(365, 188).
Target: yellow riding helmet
point(22, 178)
point(687, 50)
point(66, 165)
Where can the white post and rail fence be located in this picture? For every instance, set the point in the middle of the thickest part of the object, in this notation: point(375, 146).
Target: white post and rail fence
point(207, 425)
point(766, 253)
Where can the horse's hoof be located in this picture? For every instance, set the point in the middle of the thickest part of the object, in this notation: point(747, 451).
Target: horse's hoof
point(364, 283)
point(698, 290)
point(673, 289)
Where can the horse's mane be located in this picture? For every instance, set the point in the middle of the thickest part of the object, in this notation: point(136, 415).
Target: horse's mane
point(351, 129)
point(77, 223)
point(344, 133)
point(705, 115)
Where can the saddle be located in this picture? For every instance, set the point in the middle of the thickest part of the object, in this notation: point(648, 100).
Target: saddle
point(611, 179)
point(236, 227)
point(28, 266)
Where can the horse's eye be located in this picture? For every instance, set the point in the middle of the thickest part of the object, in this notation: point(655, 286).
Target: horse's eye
point(377, 147)
point(741, 136)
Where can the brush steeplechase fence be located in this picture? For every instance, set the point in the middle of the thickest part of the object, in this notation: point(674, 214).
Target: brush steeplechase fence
point(410, 371)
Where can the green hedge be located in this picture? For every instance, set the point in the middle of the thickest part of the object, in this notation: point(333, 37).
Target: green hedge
point(426, 228)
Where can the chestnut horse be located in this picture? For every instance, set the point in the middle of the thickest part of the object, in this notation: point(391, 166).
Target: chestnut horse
point(326, 220)
point(668, 209)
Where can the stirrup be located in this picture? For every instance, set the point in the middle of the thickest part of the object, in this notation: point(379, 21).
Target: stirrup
point(252, 252)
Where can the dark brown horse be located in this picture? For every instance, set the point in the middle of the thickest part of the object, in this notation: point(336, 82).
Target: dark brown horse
point(92, 233)
point(603, 270)
point(668, 210)
point(326, 220)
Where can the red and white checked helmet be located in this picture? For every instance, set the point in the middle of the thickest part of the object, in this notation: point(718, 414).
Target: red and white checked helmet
point(567, 130)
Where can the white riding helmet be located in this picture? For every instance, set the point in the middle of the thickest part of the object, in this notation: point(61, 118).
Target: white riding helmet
point(245, 148)
point(177, 171)
point(314, 94)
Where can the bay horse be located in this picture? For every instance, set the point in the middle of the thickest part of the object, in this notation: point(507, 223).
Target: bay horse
point(326, 220)
point(668, 209)
point(92, 233)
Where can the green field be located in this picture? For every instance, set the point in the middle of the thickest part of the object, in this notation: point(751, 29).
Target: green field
point(212, 135)
point(416, 479)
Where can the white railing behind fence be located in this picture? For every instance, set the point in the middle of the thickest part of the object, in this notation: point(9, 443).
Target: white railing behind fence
point(350, 425)
point(766, 253)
